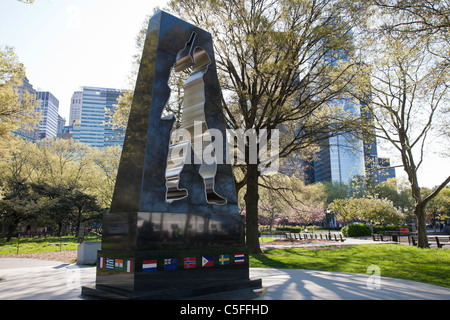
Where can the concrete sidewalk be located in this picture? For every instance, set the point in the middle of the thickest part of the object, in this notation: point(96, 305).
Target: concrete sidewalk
point(29, 279)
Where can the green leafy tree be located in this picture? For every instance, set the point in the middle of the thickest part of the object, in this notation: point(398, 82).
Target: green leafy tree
point(373, 210)
point(335, 190)
point(343, 210)
point(55, 204)
point(86, 208)
point(18, 205)
point(439, 207)
point(15, 110)
point(376, 211)
point(393, 190)
point(106, 164)
point(66, 180)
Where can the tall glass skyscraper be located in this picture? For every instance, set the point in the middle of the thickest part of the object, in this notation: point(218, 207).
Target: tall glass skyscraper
point(341, 158)
point(92, 129)
point(344, 157)
point(49, 107)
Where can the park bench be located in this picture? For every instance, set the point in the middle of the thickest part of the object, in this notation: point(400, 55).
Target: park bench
point(395, 235)
point(294, 236)
point(404, 231)
point(304, 236)
point(438, 241)
point(329, 237)
point(377, 237)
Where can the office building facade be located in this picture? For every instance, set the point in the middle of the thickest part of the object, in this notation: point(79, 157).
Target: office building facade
point(25, 131)
point(91, 128)
point(49, 107)
point(75, 107)
point(344, 157)
point(341, 158)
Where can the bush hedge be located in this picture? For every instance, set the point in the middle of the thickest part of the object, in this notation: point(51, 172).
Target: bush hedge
point(290, 229)
point(356, 230)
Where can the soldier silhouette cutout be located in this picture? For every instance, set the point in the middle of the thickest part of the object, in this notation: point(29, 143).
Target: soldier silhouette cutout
point(193, 58)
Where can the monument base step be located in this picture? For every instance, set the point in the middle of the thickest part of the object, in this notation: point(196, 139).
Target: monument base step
point(242, 290)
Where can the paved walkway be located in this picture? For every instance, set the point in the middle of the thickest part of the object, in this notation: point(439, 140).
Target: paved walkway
point(30, 279)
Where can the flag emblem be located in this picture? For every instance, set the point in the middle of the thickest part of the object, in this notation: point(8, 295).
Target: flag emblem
point(129, 266)
point(224, 259)
point(149, 265)
point(207, 261)
point(118, 264)
point(101, 262)
point(170, 264)
point(190, 262)
point(239, 258)
point(110, 263)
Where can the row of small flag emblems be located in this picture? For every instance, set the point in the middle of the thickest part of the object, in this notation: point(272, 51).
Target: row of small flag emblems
point(191, 262)
point(115, 264)
point(169, 264)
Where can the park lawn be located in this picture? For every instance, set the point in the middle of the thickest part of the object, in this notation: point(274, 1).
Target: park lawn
point(36, 245)
point(395, 261)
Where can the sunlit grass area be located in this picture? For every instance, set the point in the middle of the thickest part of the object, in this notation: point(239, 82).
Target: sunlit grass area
point(396, 261)
point(42, 244)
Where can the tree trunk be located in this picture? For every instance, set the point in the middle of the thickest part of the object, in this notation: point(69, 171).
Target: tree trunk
point(251, 206)
point(78, 221)
point(60, 227)
point(419, 211)
point(11, 229)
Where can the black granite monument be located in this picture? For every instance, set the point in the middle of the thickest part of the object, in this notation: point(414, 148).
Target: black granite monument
point(174, 230)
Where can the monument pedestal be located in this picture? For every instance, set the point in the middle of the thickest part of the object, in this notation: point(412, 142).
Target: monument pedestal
point(172, 256)
point(187, 274)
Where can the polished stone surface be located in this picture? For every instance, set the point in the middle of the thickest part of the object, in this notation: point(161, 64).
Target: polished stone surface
point(161, 231)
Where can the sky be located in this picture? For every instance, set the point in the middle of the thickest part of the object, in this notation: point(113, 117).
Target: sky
point(67, 44)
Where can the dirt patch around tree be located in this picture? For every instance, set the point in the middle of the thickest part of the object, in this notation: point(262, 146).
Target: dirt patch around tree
point(311, 243)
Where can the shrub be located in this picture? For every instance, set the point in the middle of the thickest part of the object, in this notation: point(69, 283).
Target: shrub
point(356, 230)
point(290, 229)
